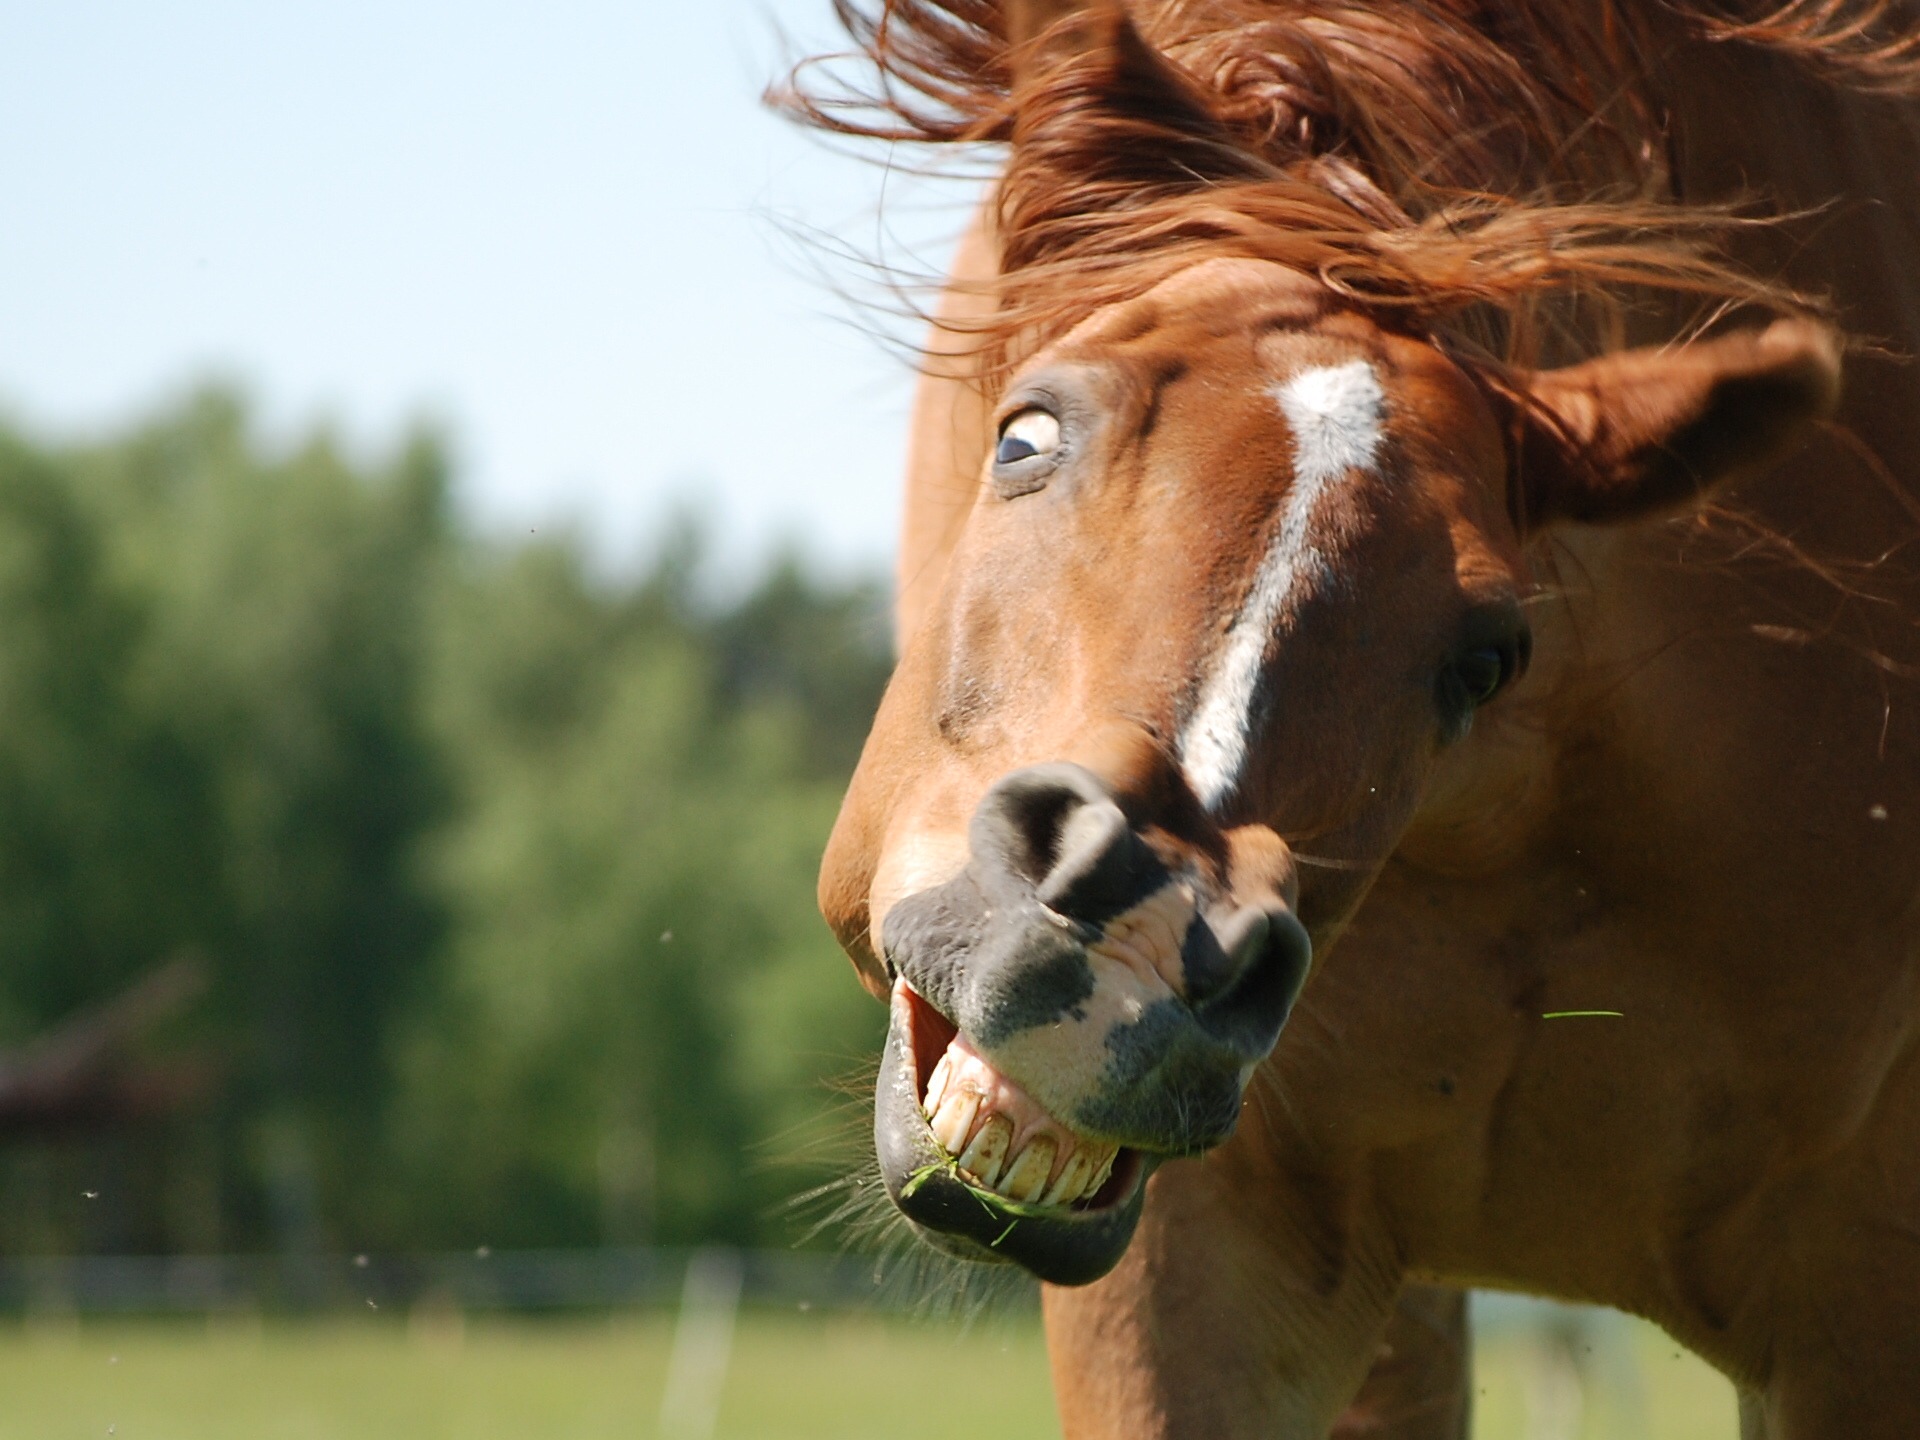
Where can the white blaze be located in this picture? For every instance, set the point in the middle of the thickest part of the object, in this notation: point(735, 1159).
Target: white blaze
point(1336, 413)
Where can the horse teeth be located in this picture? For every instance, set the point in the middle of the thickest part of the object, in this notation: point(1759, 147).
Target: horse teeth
point(1026, 1178)
point(937, 1084)
point(954, 1122)
point(1101, 1172)
point(988, 1150)
point(1072, 1182)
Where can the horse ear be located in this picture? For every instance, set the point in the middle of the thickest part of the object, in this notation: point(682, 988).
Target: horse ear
point(1102, 122)
point(1642, 431)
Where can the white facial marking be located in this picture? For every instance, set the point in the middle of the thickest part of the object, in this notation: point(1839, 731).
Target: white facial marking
point(1336, 412)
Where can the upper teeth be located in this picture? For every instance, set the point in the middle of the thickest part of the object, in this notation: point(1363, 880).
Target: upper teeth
point(987, 1151)
point(953, 1122)
point(1051, 1165)
point(1026, 1178)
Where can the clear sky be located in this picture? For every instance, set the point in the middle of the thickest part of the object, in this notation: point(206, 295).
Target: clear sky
point(567, 232)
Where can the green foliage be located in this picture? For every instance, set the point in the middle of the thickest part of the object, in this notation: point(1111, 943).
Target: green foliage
point(503, 871)
point(104, 862)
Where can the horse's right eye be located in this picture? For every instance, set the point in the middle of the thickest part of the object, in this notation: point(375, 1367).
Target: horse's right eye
point(1478, 673)
point(1483, 672)
point(1027, 435)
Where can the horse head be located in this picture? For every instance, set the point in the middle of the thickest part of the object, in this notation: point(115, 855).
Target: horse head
point(1239, 607)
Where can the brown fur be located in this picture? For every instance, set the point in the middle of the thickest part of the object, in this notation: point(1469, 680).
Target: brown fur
point(1698, 809)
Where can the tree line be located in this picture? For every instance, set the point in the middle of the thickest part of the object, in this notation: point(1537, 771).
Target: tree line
point(495, 873)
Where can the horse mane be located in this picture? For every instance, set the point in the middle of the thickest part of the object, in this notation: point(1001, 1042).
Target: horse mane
point(1495, 170)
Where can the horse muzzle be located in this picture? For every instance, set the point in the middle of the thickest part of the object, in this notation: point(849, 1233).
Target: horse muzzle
point(1078, 1004)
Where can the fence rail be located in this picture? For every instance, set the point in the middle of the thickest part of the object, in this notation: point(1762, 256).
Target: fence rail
point(482, 1280)
point(534, 1281)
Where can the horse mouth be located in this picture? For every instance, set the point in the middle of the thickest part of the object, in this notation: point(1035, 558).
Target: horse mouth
point(982, 1170)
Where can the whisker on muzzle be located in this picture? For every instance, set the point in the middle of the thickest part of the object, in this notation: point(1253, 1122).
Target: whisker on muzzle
point(852, 1213)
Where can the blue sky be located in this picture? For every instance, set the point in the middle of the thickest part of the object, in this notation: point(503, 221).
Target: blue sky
point(567, 232)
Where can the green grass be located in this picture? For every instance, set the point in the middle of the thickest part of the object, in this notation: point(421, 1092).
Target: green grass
point(1649, 1389)
point(792, 1377)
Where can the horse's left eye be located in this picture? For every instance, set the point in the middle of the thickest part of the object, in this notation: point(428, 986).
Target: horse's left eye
point(1026, 435)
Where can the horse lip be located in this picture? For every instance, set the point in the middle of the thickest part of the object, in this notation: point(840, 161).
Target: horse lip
point(1055, 1244)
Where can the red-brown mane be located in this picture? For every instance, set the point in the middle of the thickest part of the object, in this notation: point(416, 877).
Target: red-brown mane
point(1454, 162)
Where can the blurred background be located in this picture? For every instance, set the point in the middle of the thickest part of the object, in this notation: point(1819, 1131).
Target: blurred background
point(448, 465)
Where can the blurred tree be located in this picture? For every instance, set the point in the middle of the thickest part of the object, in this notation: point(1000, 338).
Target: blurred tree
point(287, 602)
point(503, 872)
point(106, 847)
point(815, 649)
point(633, 868)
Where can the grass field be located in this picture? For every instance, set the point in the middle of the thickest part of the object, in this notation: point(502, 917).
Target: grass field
point(791, 1377)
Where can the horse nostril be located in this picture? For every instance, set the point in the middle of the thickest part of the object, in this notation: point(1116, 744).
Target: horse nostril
point(1243, 939)
point(1057, 828)
point(1098, 867)
point(1054, 836)
point(1257, 971)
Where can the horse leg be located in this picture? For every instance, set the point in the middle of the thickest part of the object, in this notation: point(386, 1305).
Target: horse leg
point(1421, 1384)
point(1236, 1312)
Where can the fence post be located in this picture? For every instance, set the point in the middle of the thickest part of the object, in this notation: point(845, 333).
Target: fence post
point(702, 1345)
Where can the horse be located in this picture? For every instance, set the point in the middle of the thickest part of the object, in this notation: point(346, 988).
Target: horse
point(1401, 769)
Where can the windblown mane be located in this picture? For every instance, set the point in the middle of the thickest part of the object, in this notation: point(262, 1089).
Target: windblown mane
point(1497, 169)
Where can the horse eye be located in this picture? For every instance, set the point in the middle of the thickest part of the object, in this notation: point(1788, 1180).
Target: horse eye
point(1025, 435)
point(1483, 672)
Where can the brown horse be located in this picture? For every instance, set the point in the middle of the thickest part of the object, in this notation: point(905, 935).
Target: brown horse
point(1319, 626)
